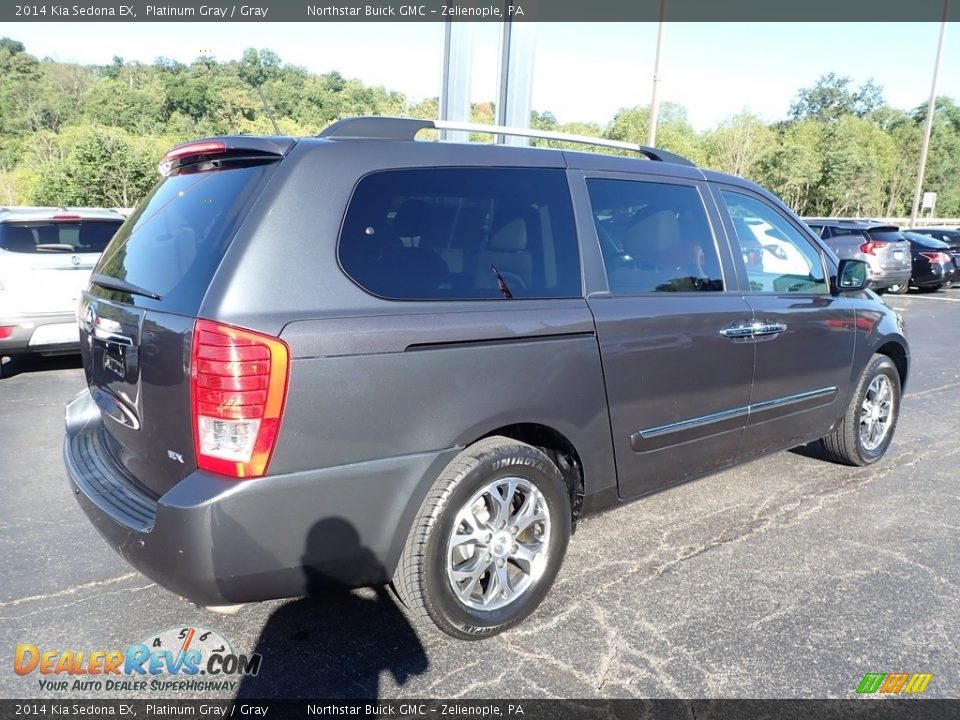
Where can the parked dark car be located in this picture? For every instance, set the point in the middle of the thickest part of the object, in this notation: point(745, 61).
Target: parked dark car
point(951, 236)
point(933, 265)
point(880, 246)
point(364, 359)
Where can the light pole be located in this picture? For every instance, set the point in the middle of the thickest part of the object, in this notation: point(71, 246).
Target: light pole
point(928, 126)
point(652, 124)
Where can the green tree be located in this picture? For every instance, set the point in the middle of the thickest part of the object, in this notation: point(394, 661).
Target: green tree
point(942, 174)
point(104, 167)
point(114, 103)
point(858, 159)
point(92, 135)
point(831, 98)
point(739, 145)
point(793, 168)
point(674, 132)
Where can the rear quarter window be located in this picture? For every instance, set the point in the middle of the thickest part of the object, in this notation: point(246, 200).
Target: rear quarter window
point(462, 234)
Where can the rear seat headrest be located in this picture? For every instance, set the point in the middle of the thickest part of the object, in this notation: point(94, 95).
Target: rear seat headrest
point(511, 237)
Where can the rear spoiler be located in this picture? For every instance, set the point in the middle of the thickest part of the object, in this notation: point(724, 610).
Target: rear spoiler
point(215, 152)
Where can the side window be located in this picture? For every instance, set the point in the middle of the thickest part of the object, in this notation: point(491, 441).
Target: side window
point(778, 258)
point(462, 234)
point(655, 237)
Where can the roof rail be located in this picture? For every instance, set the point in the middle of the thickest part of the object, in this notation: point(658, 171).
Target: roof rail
point(395, 128)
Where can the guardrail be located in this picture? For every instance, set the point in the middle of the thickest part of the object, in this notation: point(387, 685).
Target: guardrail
point(904, 222)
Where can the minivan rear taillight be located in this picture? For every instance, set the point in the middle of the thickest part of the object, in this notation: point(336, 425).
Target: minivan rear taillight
point(868, 247)
point(238, 383)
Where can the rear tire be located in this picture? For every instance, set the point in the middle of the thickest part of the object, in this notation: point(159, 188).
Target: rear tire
point(864, 434)
point(901, 289)
point(488, 541)
point(930, 288)
point(13, 360)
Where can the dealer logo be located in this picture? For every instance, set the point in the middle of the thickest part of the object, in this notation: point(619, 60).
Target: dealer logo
point(894, 683)
point(172, 659)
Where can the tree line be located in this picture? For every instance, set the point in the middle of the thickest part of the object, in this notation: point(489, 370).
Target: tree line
point(93, 135)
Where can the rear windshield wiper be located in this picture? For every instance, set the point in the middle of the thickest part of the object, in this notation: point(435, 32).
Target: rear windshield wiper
point(110, 283)
point(57, 247)
point(502, 284)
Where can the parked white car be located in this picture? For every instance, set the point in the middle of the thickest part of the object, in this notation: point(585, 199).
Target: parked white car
point(46, 256)
point(778, 255)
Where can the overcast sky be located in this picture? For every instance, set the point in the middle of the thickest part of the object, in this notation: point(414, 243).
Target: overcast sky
point(582, 71)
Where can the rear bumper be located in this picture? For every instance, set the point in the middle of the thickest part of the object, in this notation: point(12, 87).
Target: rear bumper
point(217, 541)
point(881, 279)
point(933, 276)
point(26, 326)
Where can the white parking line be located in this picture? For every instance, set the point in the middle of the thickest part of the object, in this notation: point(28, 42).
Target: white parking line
point(932, 297)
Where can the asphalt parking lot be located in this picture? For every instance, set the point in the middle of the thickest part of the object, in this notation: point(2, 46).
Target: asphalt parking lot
point(787, 577)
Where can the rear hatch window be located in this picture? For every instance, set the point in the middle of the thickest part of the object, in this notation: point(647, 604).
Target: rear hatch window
point(886, 236)
point(46, 263)
point(173, 243)
point(75, 237)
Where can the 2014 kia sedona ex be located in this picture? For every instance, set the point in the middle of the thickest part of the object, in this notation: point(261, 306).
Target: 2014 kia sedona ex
point(358, 359)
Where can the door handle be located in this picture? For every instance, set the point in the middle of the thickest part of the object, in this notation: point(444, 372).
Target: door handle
point(738, 331)
point(752, 330)
point(760, 329)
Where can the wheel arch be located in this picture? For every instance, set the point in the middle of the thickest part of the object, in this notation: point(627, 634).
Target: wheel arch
point(898, 354)
point(558, 447)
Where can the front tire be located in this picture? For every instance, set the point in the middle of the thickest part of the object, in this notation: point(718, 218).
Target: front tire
point(488, 541)
point(864, 434)
point(901, 289)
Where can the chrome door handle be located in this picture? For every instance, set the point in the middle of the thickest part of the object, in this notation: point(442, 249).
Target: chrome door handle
point(738, 331)
point(768, 329)
point(755, 329)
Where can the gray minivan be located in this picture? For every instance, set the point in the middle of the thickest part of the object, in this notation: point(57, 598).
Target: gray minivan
point(360, 359)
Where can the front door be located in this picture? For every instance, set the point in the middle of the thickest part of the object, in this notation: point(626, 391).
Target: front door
point(678, 389)
point(805, 336)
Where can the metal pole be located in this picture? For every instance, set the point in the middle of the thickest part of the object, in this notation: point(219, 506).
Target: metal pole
point(266, 106)
point(652, 124)
point(501, 116)
point(928, 126)
point(444, 111)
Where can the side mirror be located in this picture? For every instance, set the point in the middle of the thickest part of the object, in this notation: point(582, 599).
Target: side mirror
point(852, 275)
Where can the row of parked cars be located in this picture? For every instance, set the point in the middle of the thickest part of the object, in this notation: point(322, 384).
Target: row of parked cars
point(927, 258)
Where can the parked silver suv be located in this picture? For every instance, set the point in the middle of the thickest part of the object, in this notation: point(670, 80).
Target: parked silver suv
point(882, 247)
point(46, 255)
